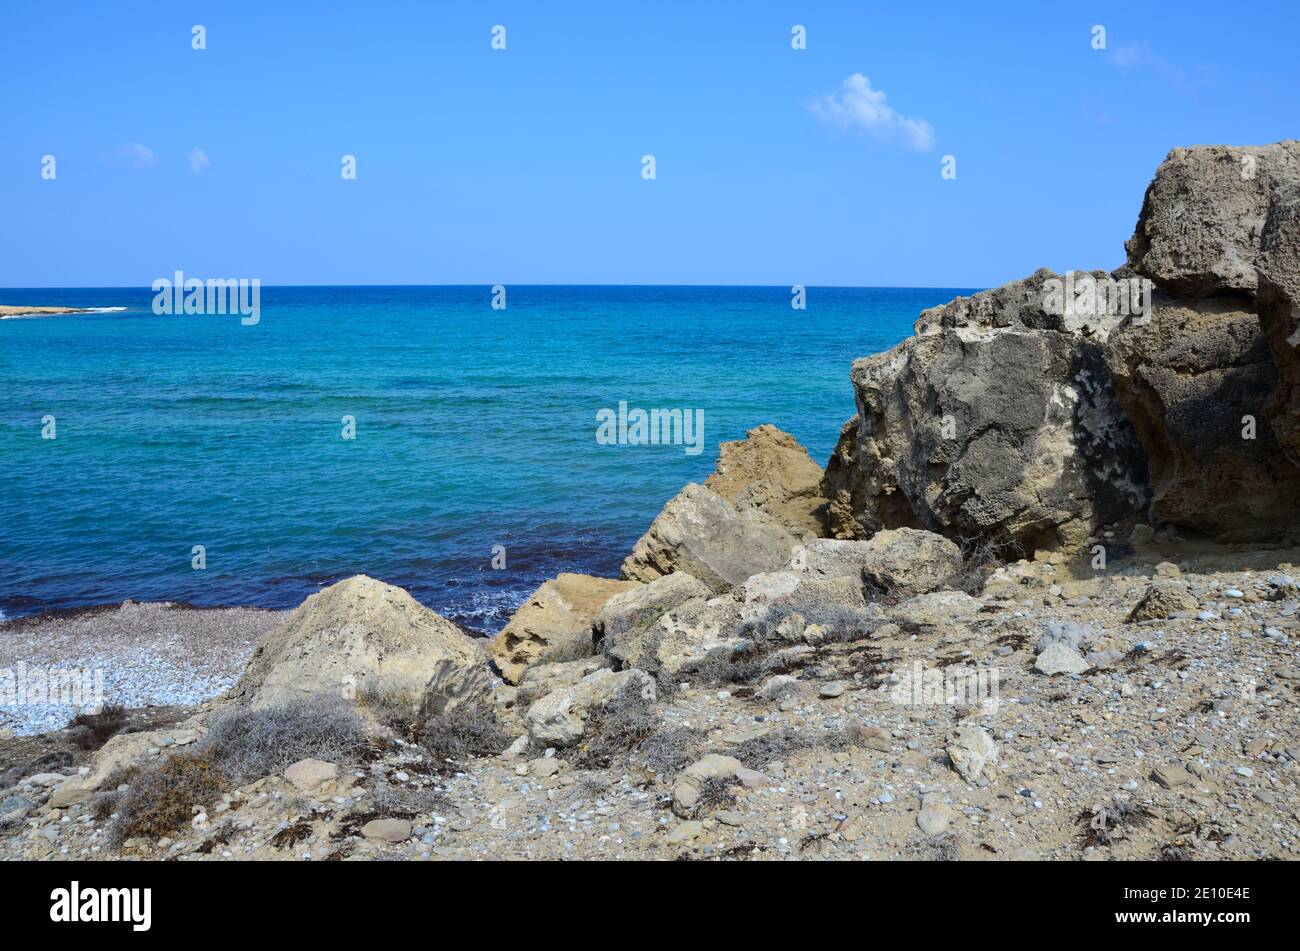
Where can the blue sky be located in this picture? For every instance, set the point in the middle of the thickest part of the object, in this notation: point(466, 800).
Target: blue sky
point(524, 165)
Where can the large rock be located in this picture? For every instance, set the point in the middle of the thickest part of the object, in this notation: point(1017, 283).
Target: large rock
point(1192, 379)
point(362, 635)
point(769, 470)
point(554, 624)
point(627, 626)
point(560, 717)
point(1203, 216)
point(701, 533)
point(986, 432)
point(1278, 297)
point(895, 564)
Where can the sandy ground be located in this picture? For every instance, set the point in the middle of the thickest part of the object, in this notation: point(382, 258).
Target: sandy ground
point(134, 655)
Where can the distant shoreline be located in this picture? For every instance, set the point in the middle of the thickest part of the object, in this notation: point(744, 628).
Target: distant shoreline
point(13, 310)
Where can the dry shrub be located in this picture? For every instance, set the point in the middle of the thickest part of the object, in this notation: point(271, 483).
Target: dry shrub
point(161, 800)
point(668, 752)
point(614, 729)
point(465, 730)
point(980, 557)
point(393, 709)
point(90, 731)
point(250, 744)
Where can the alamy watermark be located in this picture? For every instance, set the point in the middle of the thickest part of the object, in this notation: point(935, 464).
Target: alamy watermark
point(655, 427)
point(957, 685)
point(182, 295)
point(1082, 295)
point(79, 687)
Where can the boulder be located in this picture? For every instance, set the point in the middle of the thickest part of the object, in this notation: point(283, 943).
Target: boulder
point(1278, 298)
point(559, 718)
point(309, 774)
point(626, 625)
point(540, 679)
point(554, 624)
point(701, 533)
point(364, 635)
point(1200, 228)
point(986, 432)
point(1060, 659)
point(895, 563)
point(1194, 381)
point(971, 750)
point(770, 471)
point(1161, 600)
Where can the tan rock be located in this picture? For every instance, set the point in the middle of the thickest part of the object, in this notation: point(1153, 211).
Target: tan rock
point(769, 470)
point(554, 624)
point(559, 718)
point(387, 830)
point(363, 635)
point(308, 774)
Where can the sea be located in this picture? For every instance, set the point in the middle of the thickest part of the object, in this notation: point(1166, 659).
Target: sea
point(420, 435)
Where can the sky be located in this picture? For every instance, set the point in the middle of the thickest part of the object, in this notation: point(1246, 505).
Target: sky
point(524, 165)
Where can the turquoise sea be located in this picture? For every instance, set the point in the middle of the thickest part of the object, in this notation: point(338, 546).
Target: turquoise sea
point(475, 428)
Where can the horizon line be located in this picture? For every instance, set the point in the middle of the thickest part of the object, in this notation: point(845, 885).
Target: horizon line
point(149, 288)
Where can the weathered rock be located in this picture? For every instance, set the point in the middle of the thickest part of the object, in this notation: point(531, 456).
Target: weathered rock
point(978, 432)
point(1191, 380)
point(1019, 304)
point(772, 472)
point(539, 680)
point(701, 533)
point(1171, 776)
point(1077, 637)
point(626, 629)
point(933, 820)
point(971, 751)
point(686, 790)
point(892, 564)
point(691, 631)
point(1203, 215)
point(1060, 659)
point(1162, 599)
point(387, 830)
point(1278, 299)
point(555, 624)
point(559, 718)
point(363, 635)
point(938, 609)
point(308, 774)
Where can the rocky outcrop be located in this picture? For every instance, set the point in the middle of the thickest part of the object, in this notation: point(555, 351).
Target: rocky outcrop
point(895, 564)
point(1194, 381)
point(701, 533)
point(560, 717)
point(554, 624)
point(1278, 296)
point(627, 628)
point(986, 431)
point(1202, 219)
point(359, 636)
point(770, 471)
point(1167, 391)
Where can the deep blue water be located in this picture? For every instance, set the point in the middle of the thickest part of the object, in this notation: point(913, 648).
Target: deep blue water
point(475, 427)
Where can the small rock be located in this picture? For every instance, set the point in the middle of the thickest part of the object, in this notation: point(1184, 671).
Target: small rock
point(1060, 659)
point(387, 830)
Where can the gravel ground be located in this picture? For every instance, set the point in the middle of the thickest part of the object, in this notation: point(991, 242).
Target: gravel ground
point(143, 654)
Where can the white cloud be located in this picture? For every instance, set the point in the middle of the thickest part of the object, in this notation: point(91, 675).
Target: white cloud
point(198, 160)
point(141, 156)
point(858, 105)
point(1140, 55)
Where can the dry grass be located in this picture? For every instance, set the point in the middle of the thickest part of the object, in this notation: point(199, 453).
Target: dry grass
point(614, 729)
point(250, 744)
point(980, 557)
point(90, 731)
point(161, 800)
point(466, 730)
